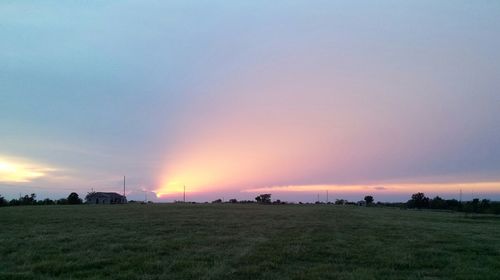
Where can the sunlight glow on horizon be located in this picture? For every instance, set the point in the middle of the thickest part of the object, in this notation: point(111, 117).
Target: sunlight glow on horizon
point(391, 188)
point(16, 171)
point(231, 97)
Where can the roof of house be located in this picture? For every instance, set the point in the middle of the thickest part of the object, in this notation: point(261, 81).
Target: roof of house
point(106, 194)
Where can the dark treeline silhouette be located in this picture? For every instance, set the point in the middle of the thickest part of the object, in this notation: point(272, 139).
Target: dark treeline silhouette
point(73, 198)
point(476, 205)
point(233, 201)
point(261, 199)
point(416, 201)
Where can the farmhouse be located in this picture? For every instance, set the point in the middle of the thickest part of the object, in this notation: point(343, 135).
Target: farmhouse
point(105, 198)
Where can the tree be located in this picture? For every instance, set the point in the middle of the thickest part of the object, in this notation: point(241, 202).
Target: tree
point(15, 202)
point(485, 204)
point(453, 204)
point(437, 203)
point(62, 201)
point(264, 198)
point(3, 201)
point(368, 200)
point(340, 201)
point(418, 200)
point(28, 199)
point(73, 198)
point(46, 201)
point(475, 205)
point(89, 196)
point(233, 200)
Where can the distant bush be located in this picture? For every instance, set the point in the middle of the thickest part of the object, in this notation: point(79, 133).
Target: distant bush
point(217, 201)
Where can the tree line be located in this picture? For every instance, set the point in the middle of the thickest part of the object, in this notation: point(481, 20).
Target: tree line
point(72, 199)
point(476, 205)
point(417, 201)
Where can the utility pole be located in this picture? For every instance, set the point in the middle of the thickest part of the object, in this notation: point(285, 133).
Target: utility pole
point(460, 196)
point(123, 186)
point(326, 196)
point(184, 199)
point(318, 198)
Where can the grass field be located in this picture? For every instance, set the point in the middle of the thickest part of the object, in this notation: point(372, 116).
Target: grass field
point(174, 241)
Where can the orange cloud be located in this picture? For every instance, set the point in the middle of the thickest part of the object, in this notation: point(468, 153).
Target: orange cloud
point(392, 188)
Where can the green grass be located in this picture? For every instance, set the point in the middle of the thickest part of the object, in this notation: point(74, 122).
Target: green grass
point(166, 241)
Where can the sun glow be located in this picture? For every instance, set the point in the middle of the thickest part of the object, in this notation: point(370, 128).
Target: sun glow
point(12, 171)
point(391, 188)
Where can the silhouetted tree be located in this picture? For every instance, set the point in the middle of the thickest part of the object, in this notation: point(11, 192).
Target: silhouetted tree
point(485, 205)
point(46, 201)
point(3, 201)
point(453, 204)
point(73, 198)
point(494, 207)
point(368, 200)
point(217, 201)
point(340, 201)
point(475, 205)
point(89, 196)
point(264, 198)
point(28, 199)
point(233, 200)
point(438, 203)
point(15, 202)
point(62, 201)
point(418, 200)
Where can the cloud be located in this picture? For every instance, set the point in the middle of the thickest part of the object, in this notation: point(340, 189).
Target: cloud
point(142, 195)
point(21, 170)
point(394, 187)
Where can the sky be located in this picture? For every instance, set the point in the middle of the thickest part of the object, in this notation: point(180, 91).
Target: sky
point(236, 98)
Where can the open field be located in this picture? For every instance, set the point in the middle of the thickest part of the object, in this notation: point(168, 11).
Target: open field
point(167, 241)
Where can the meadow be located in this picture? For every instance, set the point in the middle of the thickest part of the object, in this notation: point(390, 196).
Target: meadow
point(238, 241)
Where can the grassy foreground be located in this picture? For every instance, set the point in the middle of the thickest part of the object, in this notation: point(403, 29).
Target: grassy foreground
point(166, 241)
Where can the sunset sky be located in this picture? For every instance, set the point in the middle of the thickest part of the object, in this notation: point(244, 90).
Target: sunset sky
point(237, 98)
